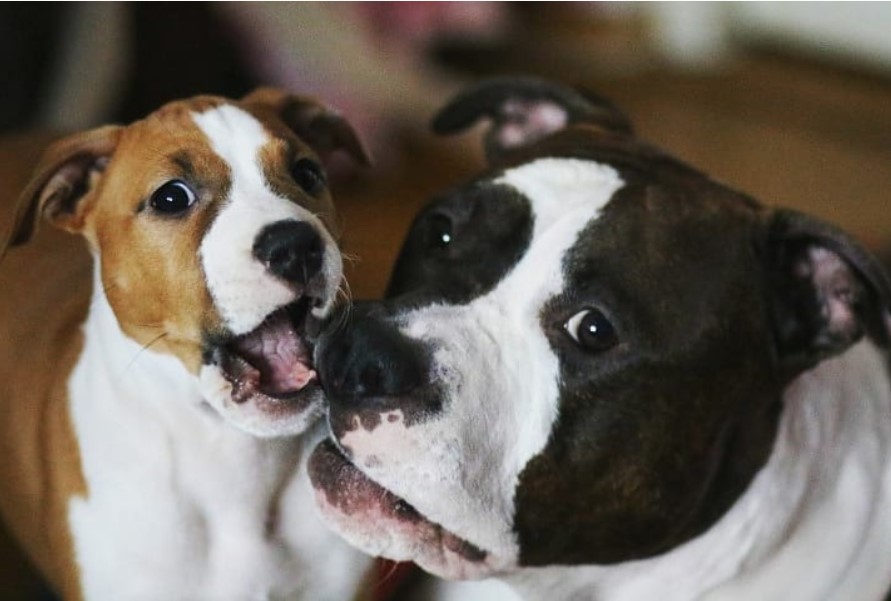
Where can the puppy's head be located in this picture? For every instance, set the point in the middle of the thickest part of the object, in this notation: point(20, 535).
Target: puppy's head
point(215, 240)
point(584, 352)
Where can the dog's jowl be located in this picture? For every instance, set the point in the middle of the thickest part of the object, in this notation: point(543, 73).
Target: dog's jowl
point(150, 376)
point(602, 375)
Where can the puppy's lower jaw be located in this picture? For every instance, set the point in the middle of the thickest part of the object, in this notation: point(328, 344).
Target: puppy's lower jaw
point(264, 381)
point(273, 360)
point(380, 523)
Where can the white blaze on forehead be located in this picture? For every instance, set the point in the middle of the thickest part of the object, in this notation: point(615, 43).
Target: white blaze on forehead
point(243, 291)
point(498, 369)
point(565, 196)
point(560, 188)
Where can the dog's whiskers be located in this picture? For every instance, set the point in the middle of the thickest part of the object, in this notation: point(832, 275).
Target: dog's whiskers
point(346, 292)
point(150, 326)
point(144, 348)
point(344, 316)
point(391, 571)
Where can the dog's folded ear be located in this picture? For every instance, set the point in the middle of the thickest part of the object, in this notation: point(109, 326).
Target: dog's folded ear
point(525, 110)
point(828, 291)
point(65, 175)
point(321, 127)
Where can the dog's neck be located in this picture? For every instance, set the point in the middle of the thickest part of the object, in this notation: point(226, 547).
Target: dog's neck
point(129, 377)
point(153, 457)
point(826, 488)
point(119, 382)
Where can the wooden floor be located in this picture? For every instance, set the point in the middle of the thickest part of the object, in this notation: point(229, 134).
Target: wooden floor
point(786, 131)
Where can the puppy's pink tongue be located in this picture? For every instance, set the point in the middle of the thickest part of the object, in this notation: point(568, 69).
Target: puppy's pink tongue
point(279, 354)
point(301, 376)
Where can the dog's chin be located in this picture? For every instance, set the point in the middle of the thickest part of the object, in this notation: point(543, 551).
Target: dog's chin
point(264, 382)
point(380, 523)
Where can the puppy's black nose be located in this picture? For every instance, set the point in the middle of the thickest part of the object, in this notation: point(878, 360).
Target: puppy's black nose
point(292, 250)
point(369, 362)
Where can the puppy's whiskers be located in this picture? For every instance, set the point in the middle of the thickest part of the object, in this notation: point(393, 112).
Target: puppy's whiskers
point(150, 326)
point(343, 317)
point(144, 348)
point(345, 292)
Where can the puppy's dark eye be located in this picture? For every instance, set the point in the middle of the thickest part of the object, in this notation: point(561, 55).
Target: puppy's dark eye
point(172, 198)
point(308, 175)
point(439, 232)
point(591, 330)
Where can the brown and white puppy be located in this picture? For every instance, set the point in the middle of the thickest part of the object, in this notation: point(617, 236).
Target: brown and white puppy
point(603, 375)
point(158, 393)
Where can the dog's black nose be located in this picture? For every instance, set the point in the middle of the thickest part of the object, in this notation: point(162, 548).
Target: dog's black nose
point(368, 362)
point(292, 250)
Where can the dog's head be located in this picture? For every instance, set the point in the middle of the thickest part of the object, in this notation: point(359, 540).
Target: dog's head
point(215, 239)
point(584, 351)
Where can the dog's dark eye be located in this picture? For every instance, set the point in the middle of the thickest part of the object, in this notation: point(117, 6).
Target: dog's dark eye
point(439, 232)
point(591, 330)
point(172, 198)
point(308, 175)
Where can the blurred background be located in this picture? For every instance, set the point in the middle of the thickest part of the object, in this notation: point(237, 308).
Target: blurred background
point(790, 102)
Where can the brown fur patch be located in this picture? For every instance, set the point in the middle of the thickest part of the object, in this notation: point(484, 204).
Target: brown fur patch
point(152, 276)
point(150, 264)
point(39, 456)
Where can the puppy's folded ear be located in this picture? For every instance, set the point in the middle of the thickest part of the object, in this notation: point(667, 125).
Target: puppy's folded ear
point(828, 291)
point(66, 175)
point(525, 110)
point(319, 126)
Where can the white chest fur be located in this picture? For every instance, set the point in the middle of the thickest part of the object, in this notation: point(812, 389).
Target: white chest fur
point(181, 505)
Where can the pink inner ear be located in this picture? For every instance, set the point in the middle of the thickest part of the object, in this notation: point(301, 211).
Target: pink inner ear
point(525, 121)
point(60, 192)
point(837, 287)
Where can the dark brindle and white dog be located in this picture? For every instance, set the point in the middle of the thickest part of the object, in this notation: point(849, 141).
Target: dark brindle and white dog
point(603, 375)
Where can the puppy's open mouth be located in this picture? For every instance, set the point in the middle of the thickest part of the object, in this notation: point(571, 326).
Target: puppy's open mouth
point(271, 365)
point(381, 523)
